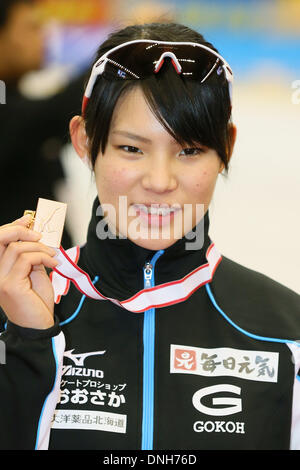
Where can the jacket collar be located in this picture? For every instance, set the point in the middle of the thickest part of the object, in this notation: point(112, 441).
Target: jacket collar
point(119, 262)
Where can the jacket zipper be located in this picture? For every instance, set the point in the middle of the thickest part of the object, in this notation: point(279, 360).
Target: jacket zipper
point(148, 360)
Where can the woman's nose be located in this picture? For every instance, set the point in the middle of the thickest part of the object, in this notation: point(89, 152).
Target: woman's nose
point(159, 176)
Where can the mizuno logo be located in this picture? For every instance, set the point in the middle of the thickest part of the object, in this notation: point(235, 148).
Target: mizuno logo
point(82, 372)
point(79, 359)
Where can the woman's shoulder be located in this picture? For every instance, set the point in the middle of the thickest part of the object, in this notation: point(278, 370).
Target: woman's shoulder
point(256, 301)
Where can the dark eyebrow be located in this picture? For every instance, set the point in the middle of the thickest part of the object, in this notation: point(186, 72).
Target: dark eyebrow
point(133, 136)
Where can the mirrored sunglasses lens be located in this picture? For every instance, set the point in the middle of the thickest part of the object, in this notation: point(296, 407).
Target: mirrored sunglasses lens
point(196, 63)
point(137, 61)
point(130, 62)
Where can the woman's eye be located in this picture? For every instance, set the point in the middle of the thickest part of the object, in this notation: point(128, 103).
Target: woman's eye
point(129, 149)
point(186, 152)
point(192, 151)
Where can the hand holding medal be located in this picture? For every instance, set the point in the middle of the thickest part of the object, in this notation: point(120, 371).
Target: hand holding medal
point(27, 247)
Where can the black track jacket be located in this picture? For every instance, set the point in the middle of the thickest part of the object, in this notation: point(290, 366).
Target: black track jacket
point(182, 349)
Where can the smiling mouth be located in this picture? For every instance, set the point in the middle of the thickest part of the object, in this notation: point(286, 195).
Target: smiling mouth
point(157, 209)
point(155, 215)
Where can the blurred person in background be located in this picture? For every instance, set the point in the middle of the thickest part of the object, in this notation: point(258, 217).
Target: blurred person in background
point(30, 165)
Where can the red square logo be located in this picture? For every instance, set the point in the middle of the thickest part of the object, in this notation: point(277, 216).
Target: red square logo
point(185, 359)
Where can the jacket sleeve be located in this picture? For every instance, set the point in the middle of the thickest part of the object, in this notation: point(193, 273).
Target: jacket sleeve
point(295, 424)
point(30, 373)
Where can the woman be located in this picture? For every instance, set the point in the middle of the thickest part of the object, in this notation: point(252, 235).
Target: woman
point(159, 342)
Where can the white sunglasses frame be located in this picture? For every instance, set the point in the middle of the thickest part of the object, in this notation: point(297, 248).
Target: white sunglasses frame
point(99, 66)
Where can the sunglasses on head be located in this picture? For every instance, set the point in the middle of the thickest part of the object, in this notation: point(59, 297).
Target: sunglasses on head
point(134, 60)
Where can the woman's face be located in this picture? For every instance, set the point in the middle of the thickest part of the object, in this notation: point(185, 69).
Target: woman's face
point(143, 165)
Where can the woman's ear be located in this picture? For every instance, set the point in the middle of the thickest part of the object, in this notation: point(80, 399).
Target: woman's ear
point(79, 139)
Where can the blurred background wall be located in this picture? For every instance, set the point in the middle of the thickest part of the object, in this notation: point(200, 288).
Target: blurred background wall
point(255, 211)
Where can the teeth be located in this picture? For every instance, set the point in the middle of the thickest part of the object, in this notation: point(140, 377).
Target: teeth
point(156, 210)
point(159, 211)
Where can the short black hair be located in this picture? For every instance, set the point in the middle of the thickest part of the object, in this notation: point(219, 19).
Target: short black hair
point(192, 112)
point(6, 7)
